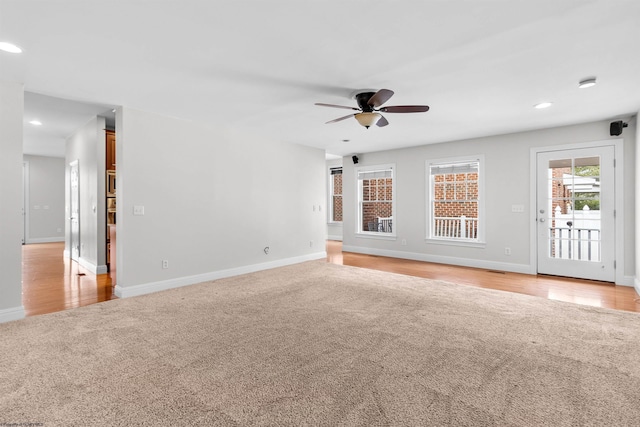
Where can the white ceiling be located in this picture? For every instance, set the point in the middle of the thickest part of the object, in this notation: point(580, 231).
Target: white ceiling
point(259, 66)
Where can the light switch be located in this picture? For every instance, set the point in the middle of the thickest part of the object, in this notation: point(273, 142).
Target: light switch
point(138, 210)
point(517, 208)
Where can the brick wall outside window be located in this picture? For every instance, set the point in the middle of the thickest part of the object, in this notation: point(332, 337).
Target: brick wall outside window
point(336, 197)
point(455, 195)
point(377, 201)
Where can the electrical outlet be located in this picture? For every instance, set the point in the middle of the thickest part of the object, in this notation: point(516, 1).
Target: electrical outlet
point(404, 242)
point(165, 263)
point(507, 251)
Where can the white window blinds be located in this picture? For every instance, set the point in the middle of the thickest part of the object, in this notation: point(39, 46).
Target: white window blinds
point(466, 167)
point(387, 173)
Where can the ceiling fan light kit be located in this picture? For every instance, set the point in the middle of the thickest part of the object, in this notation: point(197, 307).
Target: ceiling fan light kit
point(369, 103)
point(368, 119)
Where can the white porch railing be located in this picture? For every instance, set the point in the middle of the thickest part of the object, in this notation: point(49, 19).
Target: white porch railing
point(455, 227)
point(381, 225)
point(575, 235)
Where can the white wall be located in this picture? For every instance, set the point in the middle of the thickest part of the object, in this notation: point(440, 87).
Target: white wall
point(45, 199)
point(87, 145)
point(637, 206)
point(334, 229)
point(212, 201)
point(507, 183)
point(11, 112)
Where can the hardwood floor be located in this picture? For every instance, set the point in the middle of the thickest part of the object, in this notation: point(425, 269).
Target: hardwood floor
point(51, 282)
point(54, 283)
point(585, 292)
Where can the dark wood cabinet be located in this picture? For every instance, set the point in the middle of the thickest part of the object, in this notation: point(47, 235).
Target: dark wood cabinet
point(111, 150)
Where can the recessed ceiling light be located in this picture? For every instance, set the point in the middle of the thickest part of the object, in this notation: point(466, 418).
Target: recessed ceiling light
point(583, 84)
point(36, 122)
point(10, 47)
point(543, 105)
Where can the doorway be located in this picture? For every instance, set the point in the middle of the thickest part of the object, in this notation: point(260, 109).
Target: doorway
point(575, 213)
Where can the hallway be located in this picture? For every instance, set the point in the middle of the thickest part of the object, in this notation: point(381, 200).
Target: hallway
point(51, 282)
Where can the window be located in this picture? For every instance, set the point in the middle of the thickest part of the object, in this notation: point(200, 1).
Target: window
point(455, 200)
point(335, 194)
point(376, 196)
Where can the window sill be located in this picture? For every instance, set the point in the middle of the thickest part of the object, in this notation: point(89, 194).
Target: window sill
point(465, 243)
point(378, 236)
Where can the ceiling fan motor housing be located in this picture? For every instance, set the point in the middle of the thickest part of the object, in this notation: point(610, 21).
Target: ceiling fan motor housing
point(363, 101)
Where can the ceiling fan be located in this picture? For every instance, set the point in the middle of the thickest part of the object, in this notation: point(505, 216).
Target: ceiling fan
point(369, 103)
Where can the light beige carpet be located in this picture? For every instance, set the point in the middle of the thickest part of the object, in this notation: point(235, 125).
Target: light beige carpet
point(321, 344)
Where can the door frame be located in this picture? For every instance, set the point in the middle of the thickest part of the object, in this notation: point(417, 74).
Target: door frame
point(25, 202)
point(75, 164)
point(618, 148)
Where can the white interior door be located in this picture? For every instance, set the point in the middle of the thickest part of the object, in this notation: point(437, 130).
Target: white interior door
point(575, 213)
point(74, 208)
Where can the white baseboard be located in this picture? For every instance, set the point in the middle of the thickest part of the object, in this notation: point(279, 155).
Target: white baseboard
point(95, 269)
point(335, 237)
point(628, 281)
point(465, 262)
point(66, 253)
point(146, 288)
point(44, 240)
point(10, 314)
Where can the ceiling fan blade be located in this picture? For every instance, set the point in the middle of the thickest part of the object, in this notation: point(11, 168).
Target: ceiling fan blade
point(405, 109)
point(382, 122)
point(380, 97)
point(340, 119)
point(337, 106)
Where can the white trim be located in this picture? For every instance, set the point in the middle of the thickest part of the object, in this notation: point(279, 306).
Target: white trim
point(330, 221)
point(66, 253)
point(93, 268)
point(439, 259)
point(26, 186)
point(11, 314)
point(627, 281)
point(335, 237)
point(466, 243)
point(146, 288)
point(618, 146)
point(376, 235)
point(45, 240)
point(636, 284)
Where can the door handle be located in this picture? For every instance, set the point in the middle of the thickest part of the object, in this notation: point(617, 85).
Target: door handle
point(542, 219)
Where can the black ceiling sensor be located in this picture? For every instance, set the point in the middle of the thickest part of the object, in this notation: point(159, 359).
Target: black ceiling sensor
point(615, 128)
point(369, 105)
point(355, 159)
